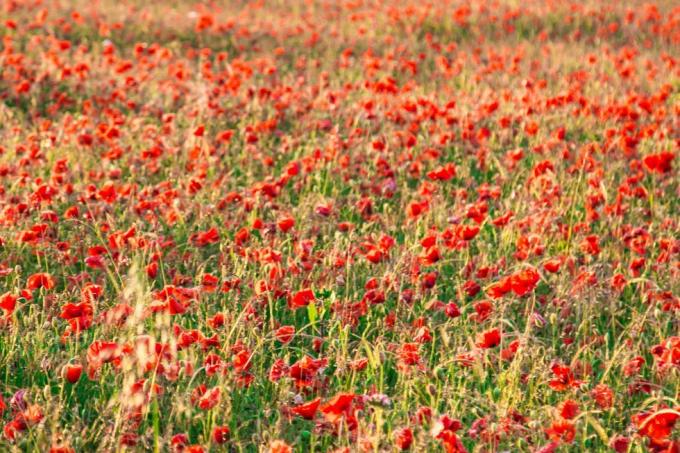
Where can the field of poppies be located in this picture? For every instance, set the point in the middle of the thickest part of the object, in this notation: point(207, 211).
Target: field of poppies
point(339, 225)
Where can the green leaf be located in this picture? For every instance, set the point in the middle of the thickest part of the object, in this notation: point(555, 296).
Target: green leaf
point(312, 313)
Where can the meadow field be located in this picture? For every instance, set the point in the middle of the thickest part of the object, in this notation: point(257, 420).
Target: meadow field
point(339, 226)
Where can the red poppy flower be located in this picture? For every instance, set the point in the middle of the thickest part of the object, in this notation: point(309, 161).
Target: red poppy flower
point(307, 410)
point(657, 425)
point(278, 370)
point(660, 162)
point(72, 372)
point(152, 269)
point(467, 232)
point(40, 280)
point(524, 281)
point(204, 238)
point(101, 352)
point(603, 396)
point(564, 378)
point(210, 398)
point(224, 136)
point(445, 430)
point(503, 220)
point(552, 265)
point(305, 370)
point(375, 255)
point(220, 434)
point(285, 224)
point(338, 406)
point(452, 310)
point(8, 302)
point(500, 288)
point(12, 429)
point(561, 431)
point(443, 173)
point(242, 360)
point(71, 311)
point(216, 321)
point(302, 298)
point(408, 354)
point(285, 334)
point(358, 364)
point(489, 339)
point(591, 245)
point(483, 310)
point(569, 409)
point(471, 288)
point(508, 353)
point(431, 256)
point(403, 438)
point(179, 440)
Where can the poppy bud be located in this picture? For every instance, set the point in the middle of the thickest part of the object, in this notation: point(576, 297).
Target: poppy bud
point(72, 371)
point(220, 434)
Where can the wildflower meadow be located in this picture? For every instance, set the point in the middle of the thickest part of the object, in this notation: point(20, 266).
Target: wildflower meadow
point(339, 226)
